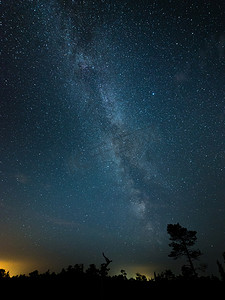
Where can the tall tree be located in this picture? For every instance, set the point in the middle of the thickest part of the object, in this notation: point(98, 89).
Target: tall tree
point(182, 241)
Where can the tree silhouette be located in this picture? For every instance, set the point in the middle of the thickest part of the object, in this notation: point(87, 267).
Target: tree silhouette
point(92, 271)
point(34, 274)
point(166, 275)
point(182, 241)
point(123, 274)
point(4, 274)
point(104, 266)
point(140, 277)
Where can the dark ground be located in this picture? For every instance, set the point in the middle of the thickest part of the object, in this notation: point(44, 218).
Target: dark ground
point(110, 288)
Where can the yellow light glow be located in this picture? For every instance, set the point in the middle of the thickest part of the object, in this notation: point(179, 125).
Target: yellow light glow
point(131, 270)
point(14, 267)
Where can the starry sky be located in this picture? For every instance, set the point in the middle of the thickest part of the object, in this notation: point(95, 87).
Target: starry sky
point(112, 126)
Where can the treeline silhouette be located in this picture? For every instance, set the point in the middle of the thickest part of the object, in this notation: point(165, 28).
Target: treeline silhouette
point(96, 281)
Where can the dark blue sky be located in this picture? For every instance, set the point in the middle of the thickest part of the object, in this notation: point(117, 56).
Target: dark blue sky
point(112, 126)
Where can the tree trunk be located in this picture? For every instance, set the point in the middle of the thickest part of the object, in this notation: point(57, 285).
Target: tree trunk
point(189, 259)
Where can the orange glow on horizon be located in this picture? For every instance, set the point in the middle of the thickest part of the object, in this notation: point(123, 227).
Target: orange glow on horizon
point(14, 267)
point(18, 267)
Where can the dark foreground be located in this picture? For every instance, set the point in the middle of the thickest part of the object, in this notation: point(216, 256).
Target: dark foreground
point(109, 288)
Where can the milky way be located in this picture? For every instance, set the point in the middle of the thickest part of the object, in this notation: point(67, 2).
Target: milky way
point(121, 147)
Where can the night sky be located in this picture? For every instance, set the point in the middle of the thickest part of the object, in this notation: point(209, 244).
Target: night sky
point(112, 126)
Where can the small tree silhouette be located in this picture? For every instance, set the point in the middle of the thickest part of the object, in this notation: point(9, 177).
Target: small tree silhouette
point(104, 266)
point(140, 277)
point(34, 274)
point(123, 274)
point(4, 274)
point(182, 241)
